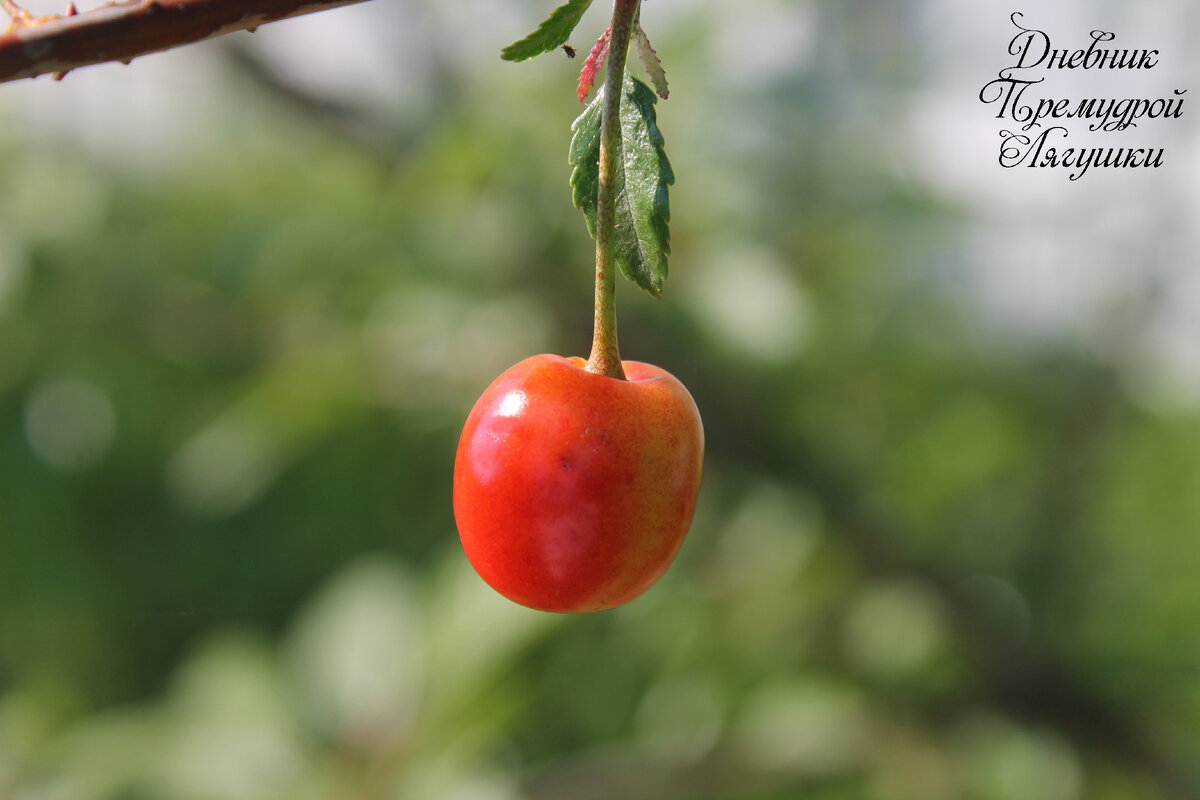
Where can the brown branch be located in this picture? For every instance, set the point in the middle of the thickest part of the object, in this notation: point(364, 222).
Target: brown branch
point(123, 31)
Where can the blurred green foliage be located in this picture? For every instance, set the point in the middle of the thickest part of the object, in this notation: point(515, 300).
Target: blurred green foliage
point(230, 390)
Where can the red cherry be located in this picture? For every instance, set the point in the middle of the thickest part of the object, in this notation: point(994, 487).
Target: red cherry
point(573, 491)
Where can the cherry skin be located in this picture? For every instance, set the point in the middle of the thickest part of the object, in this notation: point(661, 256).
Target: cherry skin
point(573, 491)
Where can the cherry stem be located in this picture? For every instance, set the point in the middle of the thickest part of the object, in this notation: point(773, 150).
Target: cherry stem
point(605, 358)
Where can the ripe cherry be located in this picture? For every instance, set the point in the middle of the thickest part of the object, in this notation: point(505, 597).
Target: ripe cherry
point(573, 491)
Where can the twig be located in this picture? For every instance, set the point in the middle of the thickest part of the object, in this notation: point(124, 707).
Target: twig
point(126, 30)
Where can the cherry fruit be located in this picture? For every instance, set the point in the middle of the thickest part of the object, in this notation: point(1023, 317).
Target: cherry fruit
point(573, 491)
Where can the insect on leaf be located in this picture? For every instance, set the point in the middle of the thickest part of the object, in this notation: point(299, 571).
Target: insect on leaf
point(550, 35)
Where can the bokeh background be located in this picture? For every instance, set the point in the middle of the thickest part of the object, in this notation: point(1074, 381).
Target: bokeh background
point(947, 539)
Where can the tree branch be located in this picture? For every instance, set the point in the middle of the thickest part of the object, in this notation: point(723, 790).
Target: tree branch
point(125, 30)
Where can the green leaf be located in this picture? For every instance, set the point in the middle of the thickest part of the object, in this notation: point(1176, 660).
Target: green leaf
point(550, 35)
point(584, 156)
point(650, 60)
point(642, 238)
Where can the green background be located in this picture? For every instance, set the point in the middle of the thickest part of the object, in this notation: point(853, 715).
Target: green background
point(936, 556)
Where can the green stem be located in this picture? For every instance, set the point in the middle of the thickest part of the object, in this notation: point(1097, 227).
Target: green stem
point(605, 358)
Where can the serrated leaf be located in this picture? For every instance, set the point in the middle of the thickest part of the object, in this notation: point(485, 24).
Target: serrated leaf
point(550, 35)
point(584, 156)
point(642, 238)
point(650, 60)
point(593, 63)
